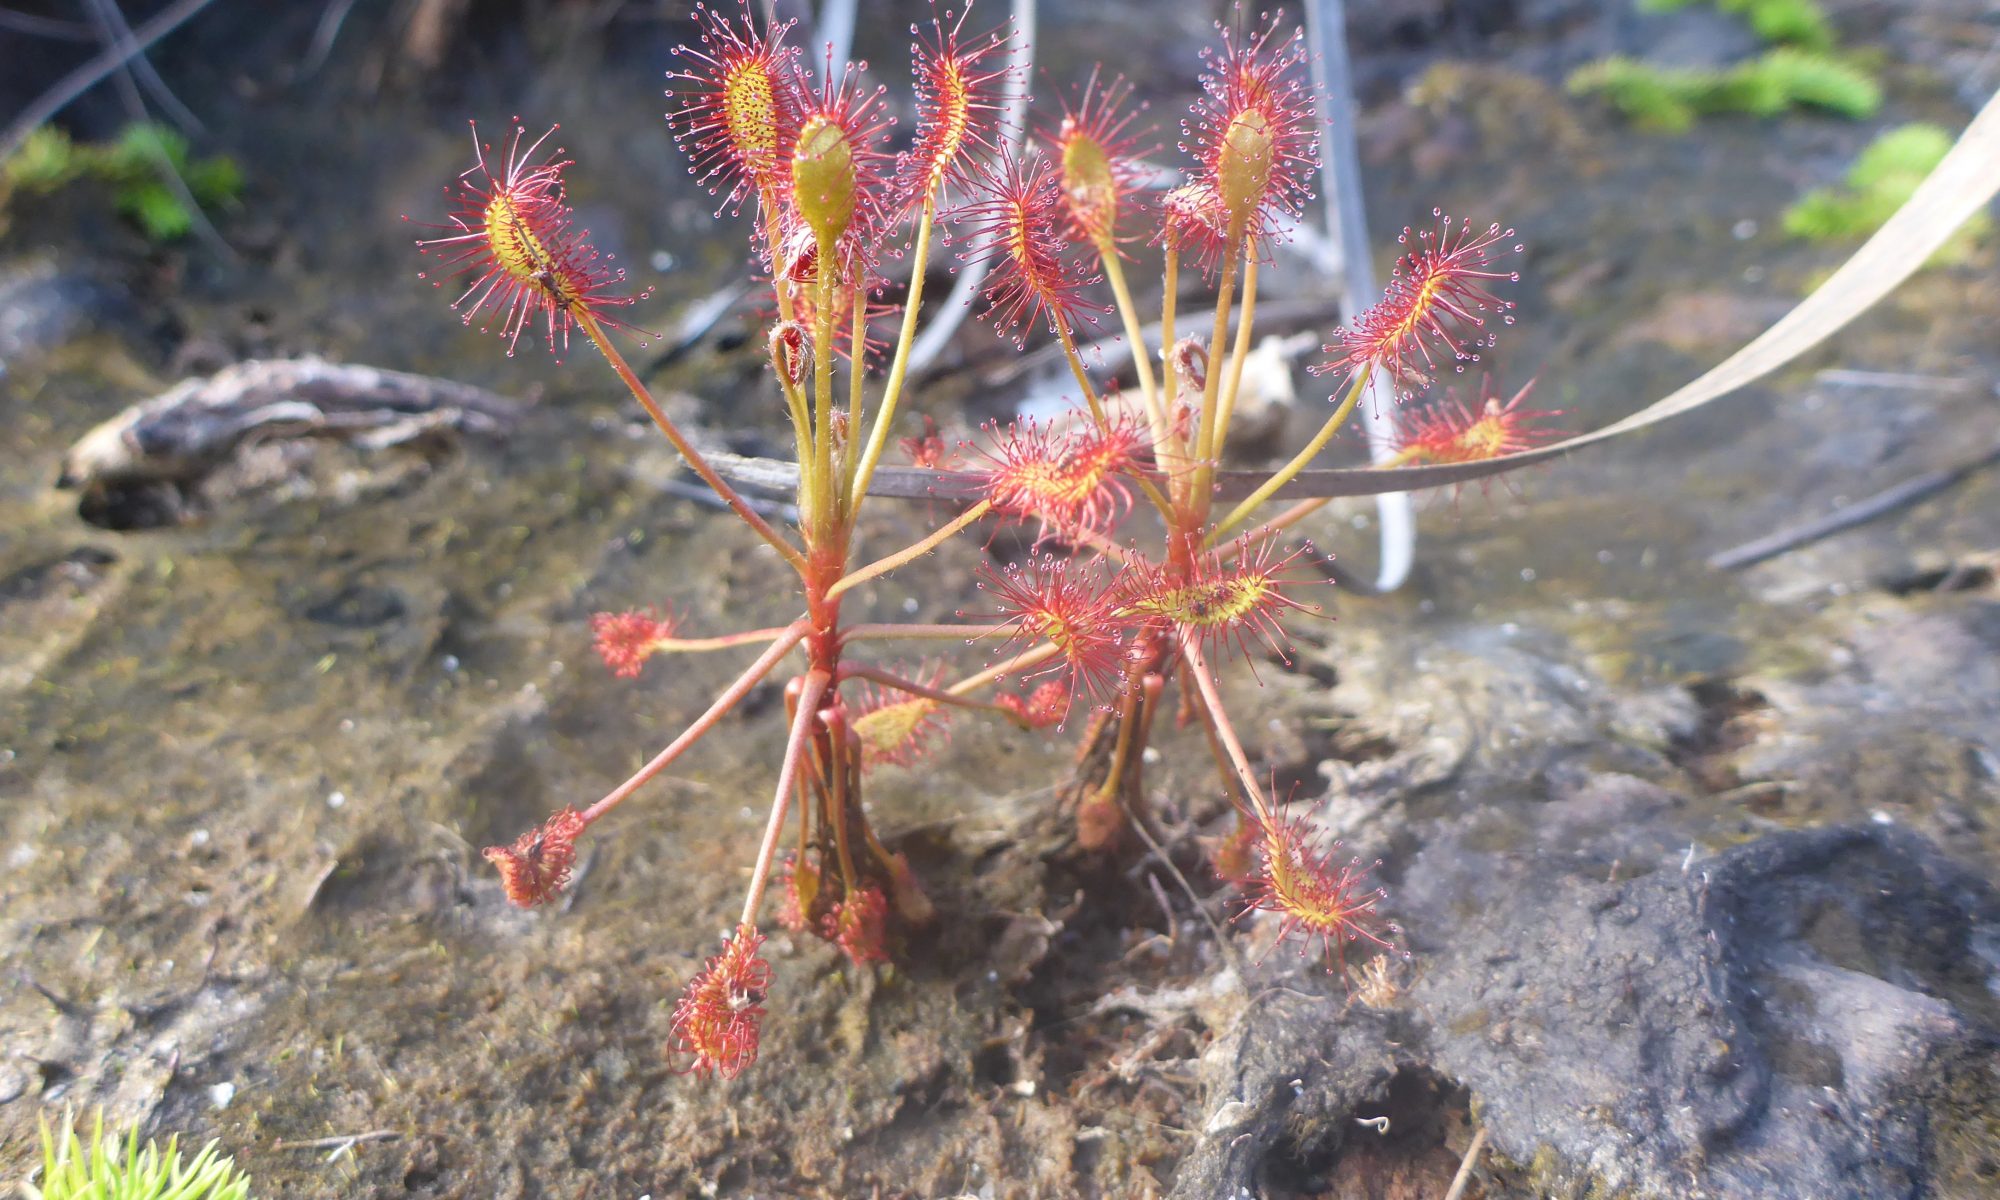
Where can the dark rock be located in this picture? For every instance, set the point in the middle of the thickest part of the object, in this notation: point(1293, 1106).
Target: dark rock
point(1789, 1018)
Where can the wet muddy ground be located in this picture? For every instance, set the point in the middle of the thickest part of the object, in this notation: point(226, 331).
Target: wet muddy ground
point(247, 760)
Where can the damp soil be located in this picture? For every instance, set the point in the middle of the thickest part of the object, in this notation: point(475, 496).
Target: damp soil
point(252, 743)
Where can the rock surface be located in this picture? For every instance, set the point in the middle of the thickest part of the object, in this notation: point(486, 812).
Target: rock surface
point(1810, 1013)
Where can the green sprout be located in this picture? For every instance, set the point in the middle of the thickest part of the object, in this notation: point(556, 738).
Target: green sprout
point(110, 1170)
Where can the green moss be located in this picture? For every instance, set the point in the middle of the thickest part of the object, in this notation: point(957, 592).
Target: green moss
point(1655, 98)
point(137, 167)
point(46, 161)
point(1881, 181)
point(111, 1170)
point(1905, 153)
point(1801, 71)
point(1667, 99)
point(1788, 22)
point(1818, 81)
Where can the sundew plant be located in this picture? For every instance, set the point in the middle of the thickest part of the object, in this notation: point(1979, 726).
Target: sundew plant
point(1143, 585)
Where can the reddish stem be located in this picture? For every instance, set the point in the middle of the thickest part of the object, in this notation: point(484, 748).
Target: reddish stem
point(727, 641)
point(793, 634)
point(922, 691)
point(816, 682)
point(689, 454)
point(1218, 720)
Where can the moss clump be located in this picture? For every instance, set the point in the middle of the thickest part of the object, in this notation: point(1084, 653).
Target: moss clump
point(109, 1170)
point(46, 160)
point(137, 168)
point(1881, 181)
point(1668, 99)
point(1788, 22)
point(1801, 71)
point(1810, 80)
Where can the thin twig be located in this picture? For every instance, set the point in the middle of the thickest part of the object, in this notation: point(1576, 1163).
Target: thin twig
point(1464, 1176)
point(1847, 516)
point(340, 1141)
point(138, 66)
point(81, 80)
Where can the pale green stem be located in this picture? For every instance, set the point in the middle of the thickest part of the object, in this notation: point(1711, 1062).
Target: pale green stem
point(1299, 461)
point(1246, 314)
point(1167, 450)
point(917, 550)
point(856, 371)
point(1142, 359)
point(1082, 376)
point(1154, 496)
point(892, 390)
point(818, 483)
point(1204, 442)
